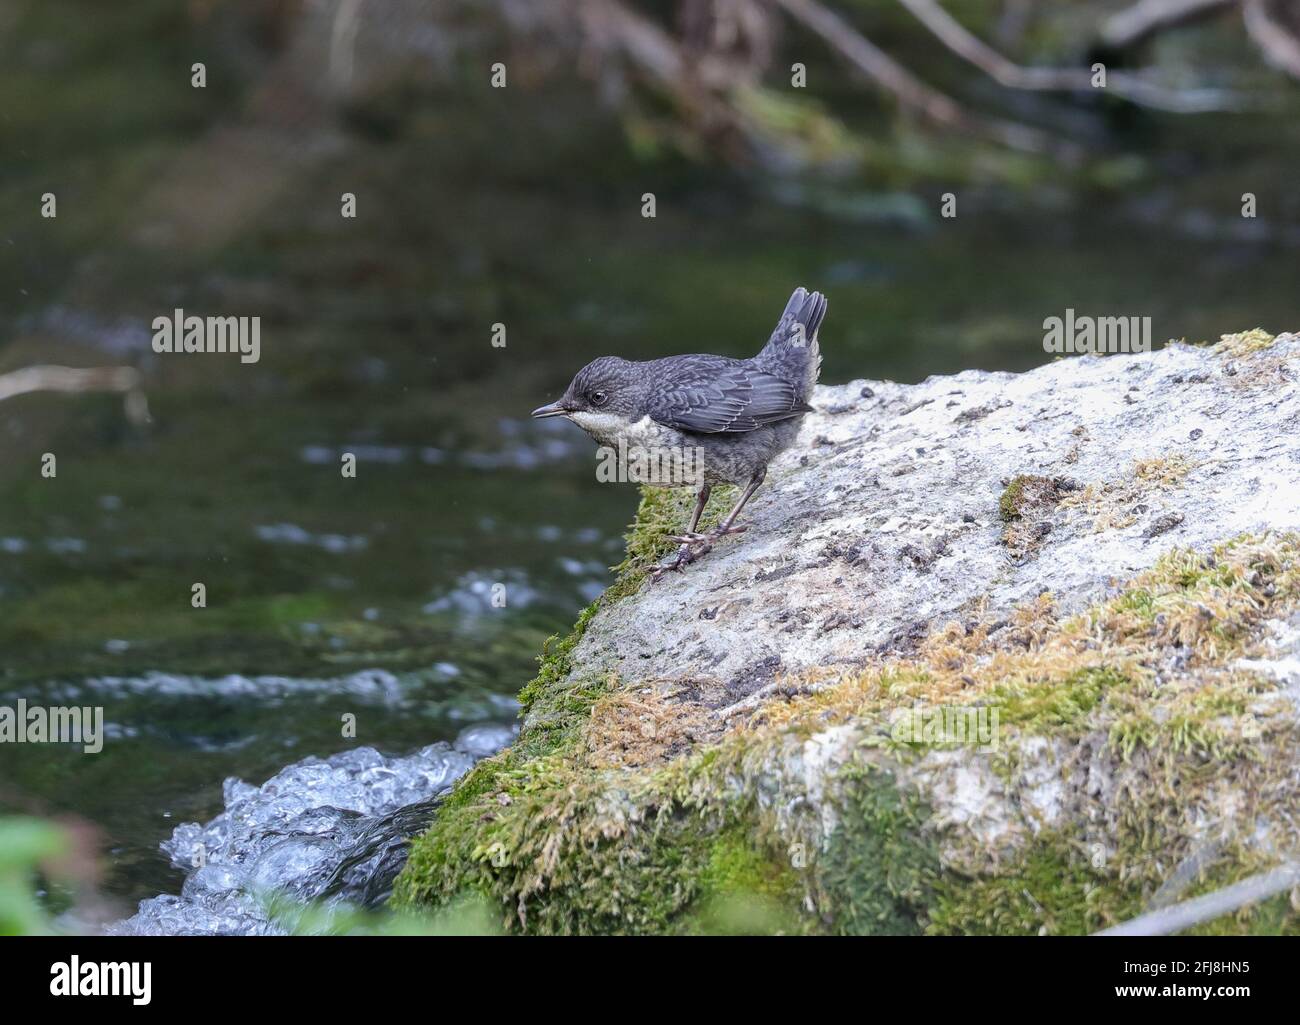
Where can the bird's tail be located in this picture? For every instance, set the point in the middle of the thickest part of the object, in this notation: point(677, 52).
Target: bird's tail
point(792, 352)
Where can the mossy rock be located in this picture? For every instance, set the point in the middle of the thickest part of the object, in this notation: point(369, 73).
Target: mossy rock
point(711, 754)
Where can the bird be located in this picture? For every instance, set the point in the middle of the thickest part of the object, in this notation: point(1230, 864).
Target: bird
point(735, 414)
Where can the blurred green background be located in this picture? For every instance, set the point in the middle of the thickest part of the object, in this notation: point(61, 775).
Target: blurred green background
point(520, 206)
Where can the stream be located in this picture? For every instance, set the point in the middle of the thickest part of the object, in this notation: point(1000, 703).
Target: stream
point(333, 831)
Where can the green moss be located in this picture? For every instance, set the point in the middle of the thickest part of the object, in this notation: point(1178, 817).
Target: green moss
point(1029, 494)
point(1206, 722)
point(456, 859)
point(1177, 571)
point(561, 848)
point(556, 851)
point(880, 866)
point(1051, 888)
point(1025, 506)
point(1009, 503)
point(1058, 706)
point(556, 660)
point(645, 541)
point(451, 861)
point(744, 891)
point(1244, 343)
point(735, 866)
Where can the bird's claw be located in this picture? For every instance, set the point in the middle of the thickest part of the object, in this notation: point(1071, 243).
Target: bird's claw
point(696, 538)
point(694, 545)
point(690, 550)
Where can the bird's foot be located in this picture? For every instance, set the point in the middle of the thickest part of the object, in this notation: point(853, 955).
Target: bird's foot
point(708, 538)
point(693, 546)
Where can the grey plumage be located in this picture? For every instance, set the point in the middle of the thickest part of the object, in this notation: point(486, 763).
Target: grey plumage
point(716, 395)
point(739, 412)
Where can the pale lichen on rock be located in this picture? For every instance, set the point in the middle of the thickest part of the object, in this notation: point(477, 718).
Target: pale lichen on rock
point(1130, 651)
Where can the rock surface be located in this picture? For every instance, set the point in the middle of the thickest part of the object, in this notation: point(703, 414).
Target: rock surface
point(885, 518)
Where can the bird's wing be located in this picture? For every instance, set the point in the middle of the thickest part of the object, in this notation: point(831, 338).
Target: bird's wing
point(712, 395)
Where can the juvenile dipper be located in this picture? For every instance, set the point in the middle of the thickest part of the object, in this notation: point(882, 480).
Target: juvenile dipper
point(737, 414)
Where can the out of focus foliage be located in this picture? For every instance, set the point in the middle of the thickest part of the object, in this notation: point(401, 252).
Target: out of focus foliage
point(26, 844)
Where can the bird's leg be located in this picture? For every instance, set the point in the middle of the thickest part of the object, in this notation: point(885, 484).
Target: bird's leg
point(693, 544)
point(727, 526)
point(701, 500)
point(692, 532)
point(689, 541)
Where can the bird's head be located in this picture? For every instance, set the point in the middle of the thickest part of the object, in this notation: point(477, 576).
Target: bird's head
point(608, 388)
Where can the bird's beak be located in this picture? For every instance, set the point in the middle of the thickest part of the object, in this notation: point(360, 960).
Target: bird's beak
point(554, 409)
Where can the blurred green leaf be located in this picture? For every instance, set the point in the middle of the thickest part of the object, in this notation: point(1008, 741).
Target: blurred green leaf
point(25, 844)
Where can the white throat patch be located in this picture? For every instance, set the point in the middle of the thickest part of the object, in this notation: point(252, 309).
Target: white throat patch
point(607, 428)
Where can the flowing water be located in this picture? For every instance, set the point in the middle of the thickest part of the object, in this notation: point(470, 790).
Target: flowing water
point(363, 637)
point(328, 830)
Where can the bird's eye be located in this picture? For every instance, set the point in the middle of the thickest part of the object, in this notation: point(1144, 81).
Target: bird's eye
point(599, 398)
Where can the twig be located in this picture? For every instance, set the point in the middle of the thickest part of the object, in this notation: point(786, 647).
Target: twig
point(1135, 25)
point(911, 91)
point(343, 42)
point(74, 379)
point(1212, 905)
point(1005, 72)
point(610, 26)
point(1184, 874)
point(1278, 41)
